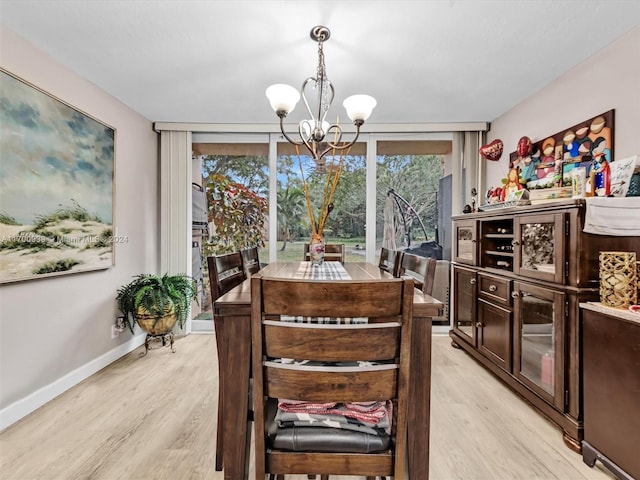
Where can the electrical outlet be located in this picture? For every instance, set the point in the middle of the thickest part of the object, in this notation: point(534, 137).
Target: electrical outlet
point(114, 331)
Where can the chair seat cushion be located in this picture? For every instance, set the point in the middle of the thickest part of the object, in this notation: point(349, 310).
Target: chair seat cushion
point(321, 439)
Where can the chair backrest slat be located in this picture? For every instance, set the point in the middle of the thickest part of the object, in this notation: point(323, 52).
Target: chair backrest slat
point(335, 344)
point(421, 269)
point(363, 386)
point(225, 272)
point(390, 260)
point(321, 299)
point(251, 260)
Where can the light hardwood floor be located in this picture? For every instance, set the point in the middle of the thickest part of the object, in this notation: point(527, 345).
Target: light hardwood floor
point(155, 418)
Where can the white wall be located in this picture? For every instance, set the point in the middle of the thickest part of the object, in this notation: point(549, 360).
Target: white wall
point(56, 331)
point(610, 79)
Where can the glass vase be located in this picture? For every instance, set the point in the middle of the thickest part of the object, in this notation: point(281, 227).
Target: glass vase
point(316, 250)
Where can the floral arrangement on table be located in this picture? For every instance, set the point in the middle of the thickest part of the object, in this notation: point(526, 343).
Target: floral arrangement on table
point(333, 172)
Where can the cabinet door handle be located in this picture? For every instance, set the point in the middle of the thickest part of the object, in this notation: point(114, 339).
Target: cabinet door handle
point(492, 288)
point(515, 242)
point(478, 325)
point(515, 294)
point(473, 240)
point(472, 281)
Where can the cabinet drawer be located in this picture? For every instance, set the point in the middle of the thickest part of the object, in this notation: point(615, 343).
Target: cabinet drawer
point(494, 289)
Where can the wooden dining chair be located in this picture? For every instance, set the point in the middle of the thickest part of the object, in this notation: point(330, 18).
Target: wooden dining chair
point(225, 272)
point(421, 269)
point(251, 260)
point(356, 365)
point(333, 252)
point(390, 260)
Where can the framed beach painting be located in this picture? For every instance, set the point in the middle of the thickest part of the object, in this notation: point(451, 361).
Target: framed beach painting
point(56, 185)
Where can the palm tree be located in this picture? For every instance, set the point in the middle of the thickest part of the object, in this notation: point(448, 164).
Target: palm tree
point(291, 206)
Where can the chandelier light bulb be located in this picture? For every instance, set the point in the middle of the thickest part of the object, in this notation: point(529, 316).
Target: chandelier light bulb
point(283, 98)
point(308, 128)
point(359, 107)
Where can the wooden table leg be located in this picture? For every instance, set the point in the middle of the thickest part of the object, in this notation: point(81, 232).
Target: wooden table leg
point(419, 399)
point(237, 334)
point(219, 331)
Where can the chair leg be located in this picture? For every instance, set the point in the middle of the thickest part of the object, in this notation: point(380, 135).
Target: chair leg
point(218, 325)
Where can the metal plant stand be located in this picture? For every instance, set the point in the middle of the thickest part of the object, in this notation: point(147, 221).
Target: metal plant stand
point(165, 338)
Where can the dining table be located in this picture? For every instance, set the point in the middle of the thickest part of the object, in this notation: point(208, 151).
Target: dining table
point(233, 311)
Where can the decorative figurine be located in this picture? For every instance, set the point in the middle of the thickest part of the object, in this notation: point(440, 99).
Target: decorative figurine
point(512, 183)
point(602, 179)
point(493, 195)
point(558, 173)
point(529, 165)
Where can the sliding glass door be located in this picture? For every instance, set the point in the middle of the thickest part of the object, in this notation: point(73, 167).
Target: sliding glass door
point(408, 178)
point(332, 192)
point(398, 179)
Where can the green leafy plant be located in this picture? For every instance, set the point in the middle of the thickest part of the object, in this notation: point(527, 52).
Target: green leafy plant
point(157, 296)
point(239, 216)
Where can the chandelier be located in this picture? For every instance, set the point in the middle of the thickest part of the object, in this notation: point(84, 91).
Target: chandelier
point(313, 132)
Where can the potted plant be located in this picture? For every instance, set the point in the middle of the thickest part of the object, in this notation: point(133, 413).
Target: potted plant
point(157, 302)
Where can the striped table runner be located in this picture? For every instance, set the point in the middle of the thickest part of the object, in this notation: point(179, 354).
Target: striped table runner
point(324, 271)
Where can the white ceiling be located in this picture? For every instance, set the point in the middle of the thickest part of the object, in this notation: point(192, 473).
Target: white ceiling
point(425, 61)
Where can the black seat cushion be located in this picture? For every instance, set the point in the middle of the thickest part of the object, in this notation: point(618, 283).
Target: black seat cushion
point(320, 439)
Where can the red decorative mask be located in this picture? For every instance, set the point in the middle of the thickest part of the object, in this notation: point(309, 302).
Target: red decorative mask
point(524, 147)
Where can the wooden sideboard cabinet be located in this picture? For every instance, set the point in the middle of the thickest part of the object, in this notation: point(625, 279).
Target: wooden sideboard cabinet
point(519, 275)
point(611, 379)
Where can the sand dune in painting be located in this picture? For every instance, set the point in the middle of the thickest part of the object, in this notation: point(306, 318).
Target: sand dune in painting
point(65, 245)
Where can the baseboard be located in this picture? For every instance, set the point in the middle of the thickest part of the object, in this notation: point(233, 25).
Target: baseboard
point(440, 329)
point(201, 326)
point(21, 408)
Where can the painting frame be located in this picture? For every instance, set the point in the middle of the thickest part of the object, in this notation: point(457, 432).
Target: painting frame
point(57, 185)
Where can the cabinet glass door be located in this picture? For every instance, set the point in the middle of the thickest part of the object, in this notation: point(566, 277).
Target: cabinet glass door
point(465, 242)
point(539, 246)
point(464, 304)
point(539, 314)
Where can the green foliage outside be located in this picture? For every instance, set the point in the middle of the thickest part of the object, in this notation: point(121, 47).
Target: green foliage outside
point(416, 178)
point(237, 214)
point(241, 183)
